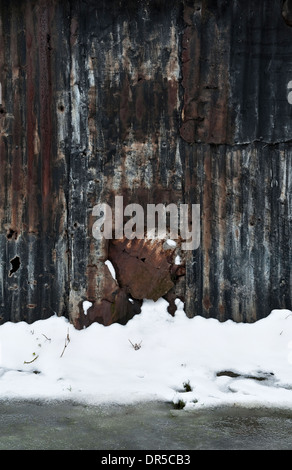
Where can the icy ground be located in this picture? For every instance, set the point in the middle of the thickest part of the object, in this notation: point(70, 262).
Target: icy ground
point(193, 362)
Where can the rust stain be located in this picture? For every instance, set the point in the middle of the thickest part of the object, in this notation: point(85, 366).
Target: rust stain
point(32, 156)
point(44, 38)
point(222, 311)
point(190, 79)
point(73, 31)
point(16, 150)
point(142, 266)
point(205, 82)
point(172, 96)
point(207, 303)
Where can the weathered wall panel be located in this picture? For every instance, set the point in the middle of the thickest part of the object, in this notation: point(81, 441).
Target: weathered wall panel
point(156, 101)
point(33, 202)
point(243, 267)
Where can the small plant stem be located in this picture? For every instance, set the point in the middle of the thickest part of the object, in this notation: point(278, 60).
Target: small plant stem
point(67, 341)
point(29, 362)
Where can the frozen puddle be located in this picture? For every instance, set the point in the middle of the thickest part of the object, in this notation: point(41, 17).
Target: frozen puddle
point(143, 426)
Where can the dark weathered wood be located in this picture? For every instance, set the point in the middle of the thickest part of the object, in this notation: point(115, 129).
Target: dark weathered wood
point(159, 102)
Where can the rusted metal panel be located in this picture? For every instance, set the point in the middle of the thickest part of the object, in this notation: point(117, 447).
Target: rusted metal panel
point(236, 66)
point(206, 47)
point(33, 176)
point(124, 142)
point(242, 269)
point(158, 102)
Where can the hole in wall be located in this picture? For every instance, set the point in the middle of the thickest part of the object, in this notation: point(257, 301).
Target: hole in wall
point(15, 263)
point(11, 234)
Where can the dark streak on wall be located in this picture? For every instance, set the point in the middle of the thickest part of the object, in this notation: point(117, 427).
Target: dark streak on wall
point(156, 101)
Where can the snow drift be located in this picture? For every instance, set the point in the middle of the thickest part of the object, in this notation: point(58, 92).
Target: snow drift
point(192, 363)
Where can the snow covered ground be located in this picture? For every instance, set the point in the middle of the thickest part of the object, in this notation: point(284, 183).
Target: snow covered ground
point(200, 362)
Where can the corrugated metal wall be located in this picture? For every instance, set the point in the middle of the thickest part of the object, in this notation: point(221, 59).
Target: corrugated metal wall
point(157, 101)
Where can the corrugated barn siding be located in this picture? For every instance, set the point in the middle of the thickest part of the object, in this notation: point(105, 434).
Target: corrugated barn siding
point(159, 102)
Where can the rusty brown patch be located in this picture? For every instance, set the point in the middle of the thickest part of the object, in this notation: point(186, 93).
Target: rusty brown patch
point(205, 81)
point(44, 35)
point(73, 31)
point(207, 303)
point(143, 267)
point(32, 157)
point(117, 308)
